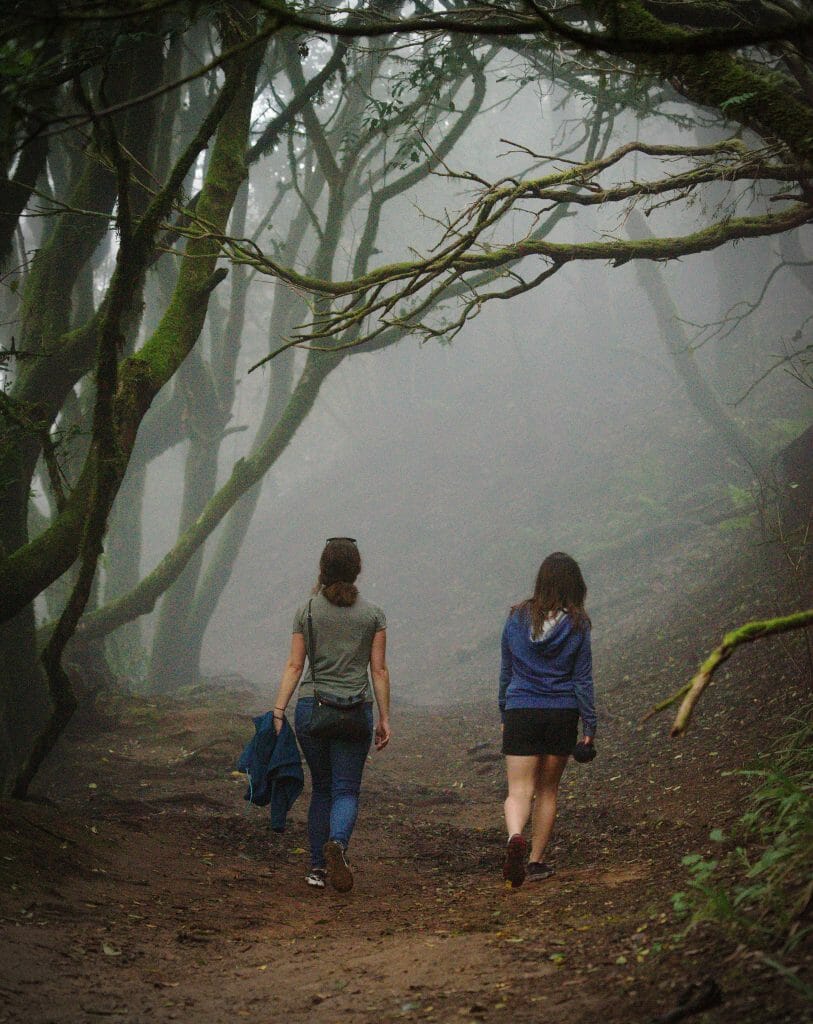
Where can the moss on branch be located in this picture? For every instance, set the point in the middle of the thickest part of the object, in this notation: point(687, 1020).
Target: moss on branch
point(745, 634)
point(34, 566)
point(246, 472)
point(443, 270)
point(754, 96)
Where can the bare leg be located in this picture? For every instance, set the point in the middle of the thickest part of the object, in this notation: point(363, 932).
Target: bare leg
point(522, 781)
point(548, 777)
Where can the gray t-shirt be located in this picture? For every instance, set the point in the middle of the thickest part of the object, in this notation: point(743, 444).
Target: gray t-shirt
point(342, 639)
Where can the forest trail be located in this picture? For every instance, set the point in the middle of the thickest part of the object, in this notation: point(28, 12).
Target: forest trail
point(151, 891)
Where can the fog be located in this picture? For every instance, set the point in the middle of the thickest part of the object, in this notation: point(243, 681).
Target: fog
point(553, 421)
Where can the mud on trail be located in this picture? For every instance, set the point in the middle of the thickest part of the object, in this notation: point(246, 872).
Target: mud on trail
point(144, 888)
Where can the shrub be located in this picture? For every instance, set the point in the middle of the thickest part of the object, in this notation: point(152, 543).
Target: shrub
point(760, 888)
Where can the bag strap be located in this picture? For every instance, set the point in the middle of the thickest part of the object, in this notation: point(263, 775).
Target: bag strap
point(311, 658)
point(310, 643)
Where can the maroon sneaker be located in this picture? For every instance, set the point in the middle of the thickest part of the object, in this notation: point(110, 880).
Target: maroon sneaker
point(338, 870)
point(513, 868)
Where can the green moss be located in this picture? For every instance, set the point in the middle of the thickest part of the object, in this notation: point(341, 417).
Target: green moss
point(714, 79)
point(766, 627)
point(181, 325)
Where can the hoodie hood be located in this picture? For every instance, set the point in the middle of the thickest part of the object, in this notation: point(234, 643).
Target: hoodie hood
point(555, 631)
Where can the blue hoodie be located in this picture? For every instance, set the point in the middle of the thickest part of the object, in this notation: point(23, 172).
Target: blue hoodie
point(274, 768)
point(554, 671)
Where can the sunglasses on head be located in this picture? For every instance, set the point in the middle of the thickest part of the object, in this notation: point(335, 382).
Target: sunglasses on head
point(331, 539)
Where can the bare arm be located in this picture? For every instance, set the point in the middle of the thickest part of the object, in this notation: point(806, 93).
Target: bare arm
point(290, 678)
point(381, 687)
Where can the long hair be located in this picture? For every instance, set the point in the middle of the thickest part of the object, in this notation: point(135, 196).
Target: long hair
point(339, 565)
point(559, 586)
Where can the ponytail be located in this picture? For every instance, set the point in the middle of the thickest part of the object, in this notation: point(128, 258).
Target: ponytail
point(341, 593)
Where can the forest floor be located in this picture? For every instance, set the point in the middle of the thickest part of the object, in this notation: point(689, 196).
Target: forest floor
point(139, 886)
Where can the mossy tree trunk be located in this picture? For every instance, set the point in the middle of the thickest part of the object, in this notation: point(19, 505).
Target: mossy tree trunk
point(277, 426)
point(207, 390)
point(140, 377)
point(67, 250)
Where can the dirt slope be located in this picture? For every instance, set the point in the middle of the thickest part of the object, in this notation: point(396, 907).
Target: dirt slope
point(145, 889)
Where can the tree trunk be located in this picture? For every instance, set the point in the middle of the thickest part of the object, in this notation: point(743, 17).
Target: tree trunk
point(125, 652)
point(139, 378)
point(208, 400)
point(42, 384)
point(23, 695)
point(230, 540)
point(698, 391)
point(169, 667)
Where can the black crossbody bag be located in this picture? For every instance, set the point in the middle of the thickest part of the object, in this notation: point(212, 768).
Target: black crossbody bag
point(334, 717)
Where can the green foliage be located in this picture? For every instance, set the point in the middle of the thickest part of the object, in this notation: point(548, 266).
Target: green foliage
point(418, 90)
point(737, 523)
point(759, 889)
point(742, 501)
point(734, 101)
point(741, 498)
point(16, 60)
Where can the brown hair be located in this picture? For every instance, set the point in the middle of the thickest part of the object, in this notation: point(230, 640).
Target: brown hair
point(339, 566)
point(559, 585)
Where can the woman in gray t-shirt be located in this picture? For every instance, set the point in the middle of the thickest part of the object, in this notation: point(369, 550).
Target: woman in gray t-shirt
point(349, 635)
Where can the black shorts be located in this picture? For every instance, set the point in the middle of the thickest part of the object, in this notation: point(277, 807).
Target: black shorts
point(535, 731)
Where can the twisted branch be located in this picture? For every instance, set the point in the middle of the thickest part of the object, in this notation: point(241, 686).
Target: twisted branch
point(746, 634)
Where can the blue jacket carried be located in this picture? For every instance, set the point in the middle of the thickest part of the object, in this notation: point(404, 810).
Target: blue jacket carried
point(274, 768)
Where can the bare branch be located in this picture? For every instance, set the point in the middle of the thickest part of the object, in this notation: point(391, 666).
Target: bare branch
point(782, 361)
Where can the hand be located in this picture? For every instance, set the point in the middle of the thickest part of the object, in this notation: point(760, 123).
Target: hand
point(382, 733)
point(587, 739)
point(278, 720)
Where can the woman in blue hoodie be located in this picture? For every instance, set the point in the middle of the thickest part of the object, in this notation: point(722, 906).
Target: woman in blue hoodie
point(546, 685)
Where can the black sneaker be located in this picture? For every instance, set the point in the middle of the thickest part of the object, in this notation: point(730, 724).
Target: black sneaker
point(513, 868)
point(316, 877)
point(338, 870)
point(538, 870)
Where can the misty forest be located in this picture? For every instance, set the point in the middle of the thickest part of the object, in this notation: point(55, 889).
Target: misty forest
point(471, 283)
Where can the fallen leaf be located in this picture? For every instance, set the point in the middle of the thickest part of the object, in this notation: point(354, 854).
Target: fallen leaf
point(109, 950)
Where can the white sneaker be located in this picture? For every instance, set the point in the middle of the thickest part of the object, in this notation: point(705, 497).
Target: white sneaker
point(316, 878)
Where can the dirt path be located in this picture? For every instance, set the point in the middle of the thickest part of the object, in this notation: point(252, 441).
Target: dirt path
point(149, 891)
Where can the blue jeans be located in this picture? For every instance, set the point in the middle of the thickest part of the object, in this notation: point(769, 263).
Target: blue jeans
point(336, 767)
